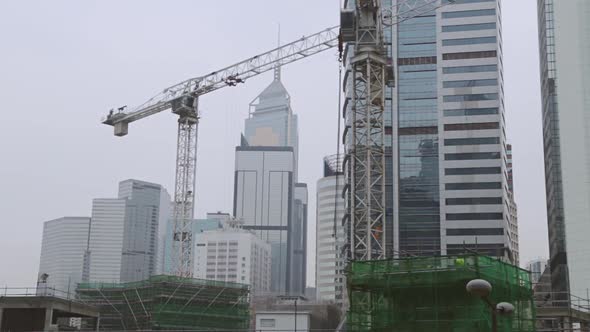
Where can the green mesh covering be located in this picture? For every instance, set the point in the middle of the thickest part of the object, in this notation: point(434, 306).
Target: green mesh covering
point(169, 303)
point(428, 294)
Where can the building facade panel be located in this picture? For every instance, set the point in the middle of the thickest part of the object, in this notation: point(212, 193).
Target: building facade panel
point(63, 247)
point(565, 68)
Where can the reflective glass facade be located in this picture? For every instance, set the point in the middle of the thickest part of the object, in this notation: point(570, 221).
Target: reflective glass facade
point(564, 39)
point(418, 194)
point(446, 174)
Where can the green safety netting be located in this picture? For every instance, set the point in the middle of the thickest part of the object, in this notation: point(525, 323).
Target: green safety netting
point(169, 303)
point(429, 294)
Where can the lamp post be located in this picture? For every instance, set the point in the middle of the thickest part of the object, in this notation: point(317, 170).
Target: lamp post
point(482, 289)
point(294, 299)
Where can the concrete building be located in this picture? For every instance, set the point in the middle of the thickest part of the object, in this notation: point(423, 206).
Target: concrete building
point(283, 321)
point(330, 236)
point(123, 240)
point(233, 255)
point(63, 247)
point(564, 39)
point(447, 186)
point(267, 195)
point(278, 314)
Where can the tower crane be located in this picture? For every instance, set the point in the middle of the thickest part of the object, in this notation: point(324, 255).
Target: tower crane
point(182, 99)
point(371, 70)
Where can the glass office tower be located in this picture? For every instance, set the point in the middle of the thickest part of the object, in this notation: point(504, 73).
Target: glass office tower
point(564, 40)
point(447, 174)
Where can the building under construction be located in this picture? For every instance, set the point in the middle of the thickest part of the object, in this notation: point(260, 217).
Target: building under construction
point(169, 303)
point(429, 294)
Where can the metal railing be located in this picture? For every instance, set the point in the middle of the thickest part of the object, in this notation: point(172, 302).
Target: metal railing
point(37, 291)
point(561, 300)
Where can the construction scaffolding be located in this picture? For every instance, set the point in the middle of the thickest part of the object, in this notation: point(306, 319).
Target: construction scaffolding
point(169, 303)
point(429, 294)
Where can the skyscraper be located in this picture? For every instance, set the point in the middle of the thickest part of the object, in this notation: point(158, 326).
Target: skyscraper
point(330, 236)
point(123, 240)
point(63, 247)
point(447, 187)
point(564, 39)
point(267, 195)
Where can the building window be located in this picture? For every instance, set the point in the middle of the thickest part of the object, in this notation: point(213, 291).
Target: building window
point(472, 126)
point(472, 97)
point(469, 13)
point(471, 112)
point(475, 216)
point(267, 322)
point(469, 55)
point(473, 185)
point(474, 201)
point(474, 231)
point(469, 41)
point(473, 170)
point(469, 27)
point(472, 141)
point(469, 83)
point(470, 69)
point(473, 156)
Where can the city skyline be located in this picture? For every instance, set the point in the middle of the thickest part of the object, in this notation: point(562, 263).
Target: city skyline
point(149, 135)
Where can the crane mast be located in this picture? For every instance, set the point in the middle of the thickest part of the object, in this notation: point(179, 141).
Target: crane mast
point(364, 141)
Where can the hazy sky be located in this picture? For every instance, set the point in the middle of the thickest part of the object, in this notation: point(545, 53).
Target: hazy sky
point(64, 64)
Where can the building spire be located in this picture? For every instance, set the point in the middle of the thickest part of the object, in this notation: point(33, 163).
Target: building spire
point(278, 66)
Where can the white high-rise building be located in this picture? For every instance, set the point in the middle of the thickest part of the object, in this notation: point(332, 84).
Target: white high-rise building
point(123, 241)
point(233, 255)
point(564, 39)
point(330, 236)
point(63, 247)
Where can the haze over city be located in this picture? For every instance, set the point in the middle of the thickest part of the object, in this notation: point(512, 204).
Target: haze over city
point(65, 65)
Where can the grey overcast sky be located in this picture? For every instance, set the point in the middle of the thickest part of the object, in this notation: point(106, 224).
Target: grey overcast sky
point(64, 63)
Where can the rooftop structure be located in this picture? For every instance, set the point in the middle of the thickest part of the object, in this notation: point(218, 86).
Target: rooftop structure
point(19, 311)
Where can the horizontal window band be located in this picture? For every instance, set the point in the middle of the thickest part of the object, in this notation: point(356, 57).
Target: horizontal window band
point(474, 201)
point(473, 171)
point(474, 231)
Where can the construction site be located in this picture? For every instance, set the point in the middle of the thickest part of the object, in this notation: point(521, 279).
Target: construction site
point(429, 294)
point(169, 303)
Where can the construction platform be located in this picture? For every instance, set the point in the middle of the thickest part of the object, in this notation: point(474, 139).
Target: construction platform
point(169, 303)
point(429, 294)
point(43, 313)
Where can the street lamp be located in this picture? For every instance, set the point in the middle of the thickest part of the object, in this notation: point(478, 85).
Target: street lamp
point(482, 289)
